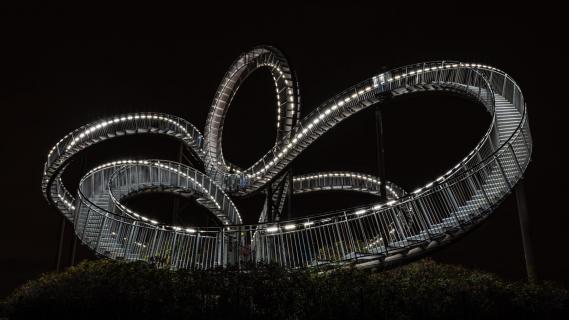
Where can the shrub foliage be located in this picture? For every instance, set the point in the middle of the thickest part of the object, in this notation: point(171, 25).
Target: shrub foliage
point(421, 290)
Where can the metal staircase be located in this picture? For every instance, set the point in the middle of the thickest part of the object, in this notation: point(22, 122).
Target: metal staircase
point(383, 234)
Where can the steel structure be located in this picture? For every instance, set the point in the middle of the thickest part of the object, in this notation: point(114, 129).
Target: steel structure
point(400, 228)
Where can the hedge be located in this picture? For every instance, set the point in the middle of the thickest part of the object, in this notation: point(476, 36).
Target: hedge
point(421, 290)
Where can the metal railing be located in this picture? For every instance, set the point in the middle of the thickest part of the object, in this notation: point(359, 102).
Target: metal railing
point(372, 234)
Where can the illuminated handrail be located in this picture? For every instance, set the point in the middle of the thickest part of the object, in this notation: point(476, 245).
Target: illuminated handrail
point(408, 224)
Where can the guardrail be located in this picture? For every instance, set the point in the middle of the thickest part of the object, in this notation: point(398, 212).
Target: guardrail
point(409, 224)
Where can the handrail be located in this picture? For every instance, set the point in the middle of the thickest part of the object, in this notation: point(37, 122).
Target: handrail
point(368, 235)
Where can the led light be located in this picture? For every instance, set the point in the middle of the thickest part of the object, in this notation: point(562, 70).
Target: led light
point(309, 223)
point(290, 227)
point(418, 190)
point(272, 229)
point(391, 202)
point(190, 230)
point(360, 212)
point(377, 207)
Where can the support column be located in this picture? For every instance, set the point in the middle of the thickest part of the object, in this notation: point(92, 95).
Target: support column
point(269, 201)
point(380, 153)
point(381, 170)
point(176, 203)
point(73, 235)
point(289, 195)
point(73, 250)
point(60, 246)
point(524, 226)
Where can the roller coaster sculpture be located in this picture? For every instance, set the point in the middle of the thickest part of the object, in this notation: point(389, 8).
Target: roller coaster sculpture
point(402, 227)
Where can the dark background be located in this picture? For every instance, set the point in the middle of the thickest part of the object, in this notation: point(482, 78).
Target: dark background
point(64, 68)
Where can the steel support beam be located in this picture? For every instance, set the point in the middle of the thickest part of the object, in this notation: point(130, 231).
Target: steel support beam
point(60, 245)
point(380, 152)
point(288, 214)
point(525, 231)
point(73, 251)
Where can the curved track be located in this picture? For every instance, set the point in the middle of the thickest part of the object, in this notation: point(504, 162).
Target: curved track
point(407, 225)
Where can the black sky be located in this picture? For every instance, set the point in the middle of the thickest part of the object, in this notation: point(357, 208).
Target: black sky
point(62, 70)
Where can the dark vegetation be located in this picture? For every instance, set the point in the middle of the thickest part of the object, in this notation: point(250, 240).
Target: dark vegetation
point(421, 290)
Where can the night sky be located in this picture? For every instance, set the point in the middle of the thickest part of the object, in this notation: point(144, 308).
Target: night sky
point(61, 71)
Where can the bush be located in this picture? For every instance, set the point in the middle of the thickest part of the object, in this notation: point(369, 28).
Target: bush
point(423, 290)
